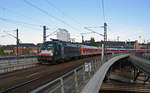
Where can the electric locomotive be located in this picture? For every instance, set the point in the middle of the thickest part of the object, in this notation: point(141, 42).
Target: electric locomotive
point(54, 51)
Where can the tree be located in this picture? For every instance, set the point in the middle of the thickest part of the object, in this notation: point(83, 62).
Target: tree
point(2, 50)
point(92, 42)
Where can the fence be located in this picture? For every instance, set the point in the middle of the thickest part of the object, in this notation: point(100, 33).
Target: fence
point(73, 81)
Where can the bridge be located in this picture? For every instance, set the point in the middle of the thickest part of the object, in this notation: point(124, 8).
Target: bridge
point(97, 75)
point(94, 84)
point(139, 65)
point(89, 77)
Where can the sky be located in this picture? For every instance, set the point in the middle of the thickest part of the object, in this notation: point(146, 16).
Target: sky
point(127, 19)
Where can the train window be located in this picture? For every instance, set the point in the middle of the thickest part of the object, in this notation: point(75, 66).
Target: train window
point(57, 47)
point(49, 46)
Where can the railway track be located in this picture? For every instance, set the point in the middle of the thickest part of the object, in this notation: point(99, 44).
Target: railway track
point(26, 80)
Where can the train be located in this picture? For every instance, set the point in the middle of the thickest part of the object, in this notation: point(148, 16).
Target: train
point(56, 51)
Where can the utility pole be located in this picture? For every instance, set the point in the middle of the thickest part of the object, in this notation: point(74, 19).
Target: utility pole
point(105, 32)
point(82, 39)
point(105, 36)
point(17, 41)
point(44, 33)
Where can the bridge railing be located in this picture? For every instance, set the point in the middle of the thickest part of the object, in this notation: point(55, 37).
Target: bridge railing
point(141, 64)
point(73, 81)
point(145, 56)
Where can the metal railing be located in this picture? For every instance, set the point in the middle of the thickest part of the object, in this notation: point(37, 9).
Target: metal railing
point(145, 56)
point(73, 81)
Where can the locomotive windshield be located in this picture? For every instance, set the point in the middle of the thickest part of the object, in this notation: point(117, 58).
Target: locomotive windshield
point(47, 46)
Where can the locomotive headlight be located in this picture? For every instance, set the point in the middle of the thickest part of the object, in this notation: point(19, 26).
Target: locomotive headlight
point(51, 52)
point(47, 52)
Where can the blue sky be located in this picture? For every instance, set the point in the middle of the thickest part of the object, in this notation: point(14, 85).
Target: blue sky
point(127, 19)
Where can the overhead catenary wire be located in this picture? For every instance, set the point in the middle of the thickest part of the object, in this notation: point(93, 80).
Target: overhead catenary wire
point(93, 31)
point(18, 13)
point(28, 26)
point(11, 20)
point(48, 14)
point(10, 34)
point(51, 33)
point(62, 12)
point(16, 22)
point(32, 26)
